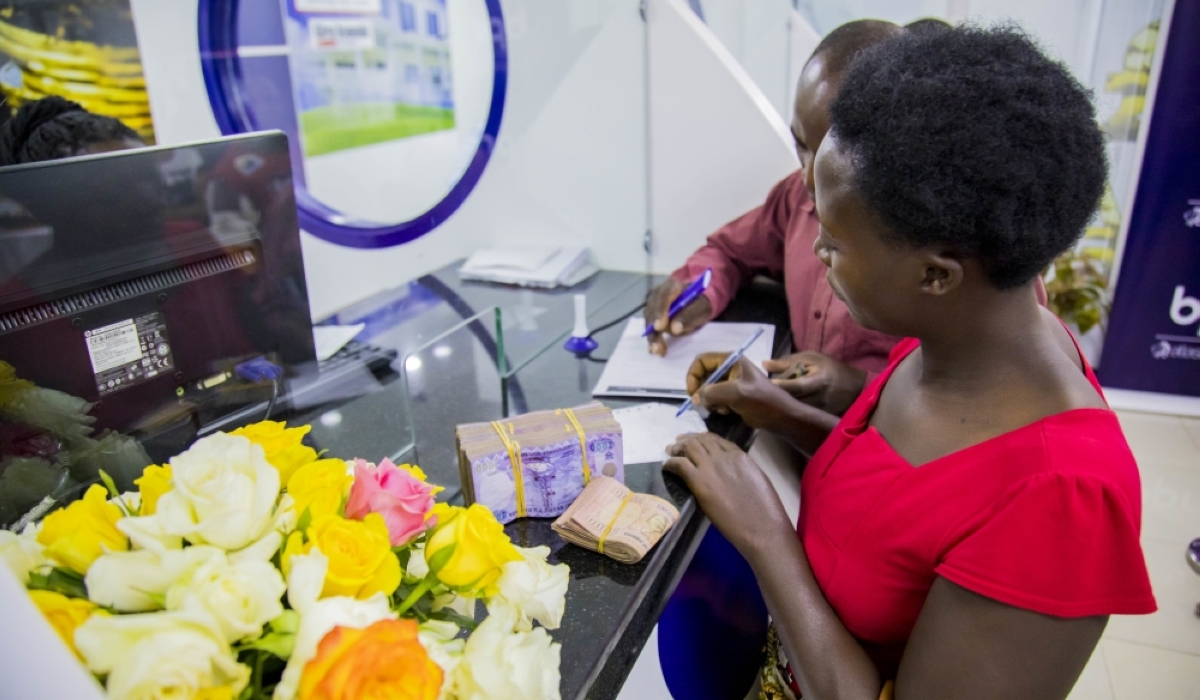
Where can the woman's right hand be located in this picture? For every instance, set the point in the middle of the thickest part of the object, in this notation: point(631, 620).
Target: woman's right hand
point(746, 391)
point(689, 319)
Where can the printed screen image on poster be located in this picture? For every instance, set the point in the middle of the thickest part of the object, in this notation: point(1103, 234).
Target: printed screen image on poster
point(83, 50)
point(399, 89)
point(369, 72)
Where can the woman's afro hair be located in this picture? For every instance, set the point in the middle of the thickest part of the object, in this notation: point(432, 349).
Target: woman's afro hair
point(971, 140)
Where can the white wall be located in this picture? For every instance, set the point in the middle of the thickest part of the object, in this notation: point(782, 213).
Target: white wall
point(569, 163)
point(1067, 28)
point(717, 143)
point(769, 39)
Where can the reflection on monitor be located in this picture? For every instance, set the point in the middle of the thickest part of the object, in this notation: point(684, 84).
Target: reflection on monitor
point(162, 286)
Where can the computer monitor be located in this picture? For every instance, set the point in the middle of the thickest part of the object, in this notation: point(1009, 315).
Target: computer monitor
point(144, 281)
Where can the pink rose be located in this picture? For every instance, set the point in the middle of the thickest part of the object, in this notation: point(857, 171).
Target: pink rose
point(401, 498)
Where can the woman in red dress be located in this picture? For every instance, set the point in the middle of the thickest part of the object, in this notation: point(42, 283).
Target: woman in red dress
point(969, 525)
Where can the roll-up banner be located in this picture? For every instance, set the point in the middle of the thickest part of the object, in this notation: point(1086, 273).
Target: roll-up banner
point(1153, 339)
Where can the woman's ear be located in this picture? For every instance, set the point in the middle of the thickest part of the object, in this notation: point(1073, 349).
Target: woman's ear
point(942, 274)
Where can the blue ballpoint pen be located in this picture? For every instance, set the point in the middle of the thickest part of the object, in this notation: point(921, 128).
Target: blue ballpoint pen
point(694, 290)
point(716, 376)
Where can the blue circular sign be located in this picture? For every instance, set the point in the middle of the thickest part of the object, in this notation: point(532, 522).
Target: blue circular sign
point(233, 108)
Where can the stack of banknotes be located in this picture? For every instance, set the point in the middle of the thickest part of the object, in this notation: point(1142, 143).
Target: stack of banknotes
point(610, 519)
point(556, 452)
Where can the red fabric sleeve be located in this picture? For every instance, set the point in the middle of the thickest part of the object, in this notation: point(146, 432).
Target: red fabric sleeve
point(899, 350)
point(1063, 544)
point(750, 245)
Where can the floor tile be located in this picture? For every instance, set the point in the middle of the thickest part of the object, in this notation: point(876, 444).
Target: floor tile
point(1094, 683)
point(1170, 503)
point(645, 680)
point(1145, 673)
point(1159, 439)
point(1177, 589)
point(1192, 426)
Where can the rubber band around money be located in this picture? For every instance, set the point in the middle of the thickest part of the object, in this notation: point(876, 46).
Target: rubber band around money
point(514, 457)
point(587, 471)
point(609, 527)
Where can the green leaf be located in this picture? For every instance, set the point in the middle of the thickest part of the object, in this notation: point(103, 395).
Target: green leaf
point(59, 580)
point(288, 622)
point(448, 615)
point(275, 643)
point(404, 554)
point(113, 492)
point(304, 521)
point(442, 557)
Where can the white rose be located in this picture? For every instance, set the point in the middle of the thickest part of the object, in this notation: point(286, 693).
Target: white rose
point(242, 597)
point(501, 665)
point(444, 649)
point(158, 655)
point(22, 553)
point(224, 493)
point(137, 581)
point(149, 532)
point(319, 617)
point(534, 589)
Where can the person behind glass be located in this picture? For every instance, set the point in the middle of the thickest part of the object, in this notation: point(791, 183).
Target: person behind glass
point(970, 524)
point(776, 240)
point(54, 127)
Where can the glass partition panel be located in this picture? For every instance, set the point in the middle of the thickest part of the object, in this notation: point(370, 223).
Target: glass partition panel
point(455, 378)
point(758, 33)
point(534, 319)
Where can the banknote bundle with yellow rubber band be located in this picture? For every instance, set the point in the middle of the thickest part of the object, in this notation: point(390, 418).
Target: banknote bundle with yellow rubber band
point(610, 519)
point(537, 464)
point(105, 80)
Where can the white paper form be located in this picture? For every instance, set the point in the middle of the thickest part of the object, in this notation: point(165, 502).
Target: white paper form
point(633, 371)
point(647, 430)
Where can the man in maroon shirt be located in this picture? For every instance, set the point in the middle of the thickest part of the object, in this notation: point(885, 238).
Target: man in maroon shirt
point(776, 240)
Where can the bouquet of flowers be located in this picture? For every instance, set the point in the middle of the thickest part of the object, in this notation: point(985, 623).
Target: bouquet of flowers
point(249, 567)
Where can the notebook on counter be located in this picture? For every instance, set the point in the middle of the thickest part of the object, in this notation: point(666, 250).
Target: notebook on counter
point(633, 372)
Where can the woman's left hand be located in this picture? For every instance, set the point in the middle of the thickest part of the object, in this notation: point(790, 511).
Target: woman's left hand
point(730, 488)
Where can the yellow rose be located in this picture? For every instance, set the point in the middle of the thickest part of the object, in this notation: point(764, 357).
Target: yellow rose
point(282, 446)
point(11, 388)
point(468, 549)
point(320, 487)
point(154, 482)
point(76, 535)
point(361, 561)
point(65, 614)
point(225, 692)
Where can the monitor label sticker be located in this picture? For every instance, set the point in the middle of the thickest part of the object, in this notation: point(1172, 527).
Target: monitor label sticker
point(129, 352)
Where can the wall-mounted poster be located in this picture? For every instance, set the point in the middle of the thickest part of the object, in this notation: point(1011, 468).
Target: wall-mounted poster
point(369, 71)
point(83, 50)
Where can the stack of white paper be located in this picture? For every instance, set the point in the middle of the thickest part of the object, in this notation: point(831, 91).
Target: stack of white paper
point(649, 429)
point(530, 266)
point(633, 371)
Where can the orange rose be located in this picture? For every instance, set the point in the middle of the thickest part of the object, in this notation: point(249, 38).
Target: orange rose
point(384, 660)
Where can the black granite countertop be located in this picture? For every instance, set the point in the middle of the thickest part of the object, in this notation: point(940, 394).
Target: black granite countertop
point(611, 607)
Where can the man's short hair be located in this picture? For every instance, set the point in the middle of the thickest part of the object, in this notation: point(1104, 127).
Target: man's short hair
point(927, 24)
point(840, 46)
